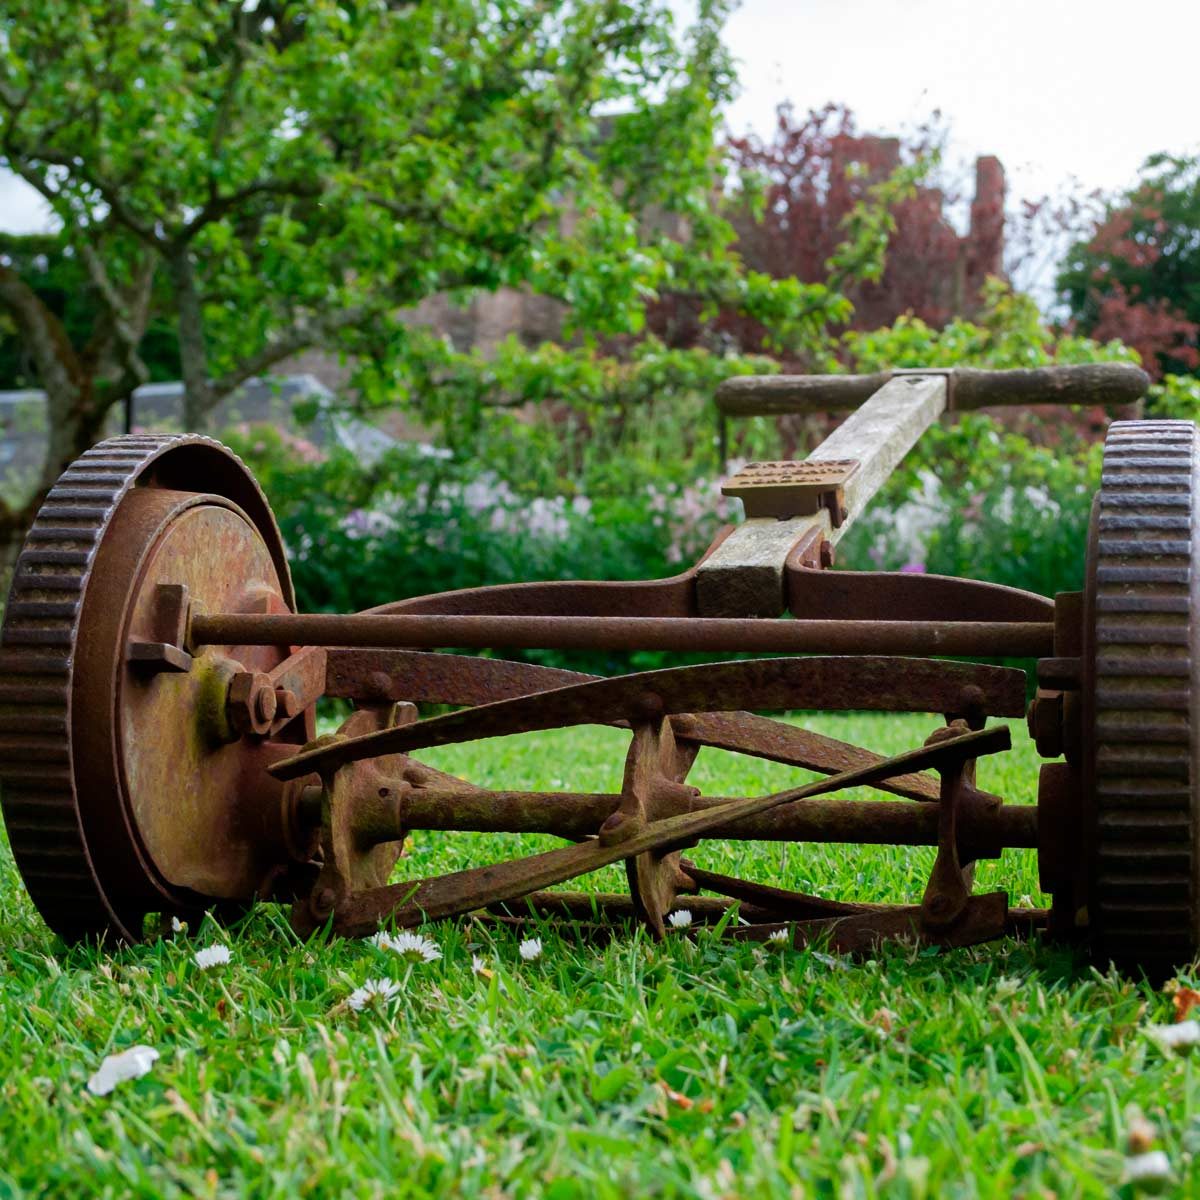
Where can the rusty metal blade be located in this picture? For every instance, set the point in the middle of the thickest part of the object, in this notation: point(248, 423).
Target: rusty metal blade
point(426, 677)
point(761, 737)
point(794, 906)
point(882, 684)
point(410, 903)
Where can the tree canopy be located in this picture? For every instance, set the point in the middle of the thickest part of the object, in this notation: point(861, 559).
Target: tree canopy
point(1137, 275)
point(266, 177)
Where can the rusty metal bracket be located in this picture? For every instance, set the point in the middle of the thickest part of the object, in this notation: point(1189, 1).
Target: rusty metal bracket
point(165, 649)
point(949, 886)
point(793, 489)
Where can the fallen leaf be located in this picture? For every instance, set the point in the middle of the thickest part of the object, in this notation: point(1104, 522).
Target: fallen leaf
point(678, 1098)
point(1184, 1000)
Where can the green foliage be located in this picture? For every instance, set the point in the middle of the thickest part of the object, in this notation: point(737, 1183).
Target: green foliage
point(1137, 274)
point(305, 172)
point(974, 498)
point(1009, 332)
point(50, 266)
point(1146, 243)
point(978, 501)
point(611, 473)
point(1176, 397)
point(418, 522)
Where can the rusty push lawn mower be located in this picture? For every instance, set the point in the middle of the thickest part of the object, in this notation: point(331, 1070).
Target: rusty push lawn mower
point(157, 702)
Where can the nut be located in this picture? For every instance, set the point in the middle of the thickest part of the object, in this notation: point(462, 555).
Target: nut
point(1046, 722)
point(250, 703)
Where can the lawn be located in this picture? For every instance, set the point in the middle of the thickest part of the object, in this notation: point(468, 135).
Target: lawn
point(699, 1068)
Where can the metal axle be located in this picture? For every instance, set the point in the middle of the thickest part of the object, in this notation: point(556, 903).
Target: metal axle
point(970, 638)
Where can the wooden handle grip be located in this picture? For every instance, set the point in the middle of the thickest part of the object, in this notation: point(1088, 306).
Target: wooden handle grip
point(1101, 384)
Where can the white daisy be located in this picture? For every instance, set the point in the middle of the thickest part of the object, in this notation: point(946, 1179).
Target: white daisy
point(778, 936)
point(382, 940)
point(530, 949)
point(212, 956)
point(1149, 1171)
point(178, 926)
point(414, 947)
point(478, 964)
point(382, 990)
point(1182, 1037)
point(681, 918)
point(117, 1068)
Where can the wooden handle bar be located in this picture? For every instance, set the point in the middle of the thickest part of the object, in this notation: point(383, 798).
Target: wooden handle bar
point(969, 388)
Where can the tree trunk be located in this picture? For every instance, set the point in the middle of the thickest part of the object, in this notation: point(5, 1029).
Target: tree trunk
point(193, 357)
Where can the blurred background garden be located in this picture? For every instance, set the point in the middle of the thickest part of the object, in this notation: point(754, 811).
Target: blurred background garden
point(459, 281)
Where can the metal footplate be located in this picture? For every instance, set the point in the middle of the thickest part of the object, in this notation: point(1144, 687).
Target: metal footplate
point(793, 489)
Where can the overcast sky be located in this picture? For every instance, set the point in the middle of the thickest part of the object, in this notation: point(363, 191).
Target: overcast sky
point(1056, 88)
point(1059, 89)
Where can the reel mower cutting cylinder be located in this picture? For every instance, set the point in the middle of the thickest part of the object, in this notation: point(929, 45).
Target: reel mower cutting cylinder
point(158, 748)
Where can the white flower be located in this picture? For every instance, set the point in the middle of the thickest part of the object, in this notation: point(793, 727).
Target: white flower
point(117, 1068)
point(383, 990)
point(212, 956)
point(1007, 986)
point(530, 949)
point(414, 947)
point(1183, 1037)
point(178, 926)
point(478, 964)
point(382, 940)
point(778, 936)
point(681, 918)
point(1149, 1171)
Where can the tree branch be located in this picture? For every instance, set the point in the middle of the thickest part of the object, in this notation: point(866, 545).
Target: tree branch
point(303, 334)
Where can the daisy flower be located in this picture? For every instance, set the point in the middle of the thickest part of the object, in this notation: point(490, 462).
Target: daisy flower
point(530, 949)
point(117, 1068)
point(382, 990)
point(381, 940)
point(414, 947)
point(178, 926)
point(478, 964)
point(680, 919)
point(212, 956)
point(1182, 1038)
point(778, 937)
point(1150, 1171)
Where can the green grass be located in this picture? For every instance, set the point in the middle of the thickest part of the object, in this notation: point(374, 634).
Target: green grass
point(1002, 1070)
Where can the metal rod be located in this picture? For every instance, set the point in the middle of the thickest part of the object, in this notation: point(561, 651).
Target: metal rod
point(971, 638)
point(986, 828)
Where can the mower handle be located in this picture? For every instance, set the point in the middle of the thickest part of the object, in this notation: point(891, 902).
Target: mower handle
point(968, 388)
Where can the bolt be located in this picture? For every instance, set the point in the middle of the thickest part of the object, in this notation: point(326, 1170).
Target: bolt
point(379, 684)
point(246, 706)
point(264, 705)
point(286, 702)
point(826, 553)
point(617, 828)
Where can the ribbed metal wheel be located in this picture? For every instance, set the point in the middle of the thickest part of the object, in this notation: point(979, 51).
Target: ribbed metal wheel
point(64, 843)
point(1139, 700)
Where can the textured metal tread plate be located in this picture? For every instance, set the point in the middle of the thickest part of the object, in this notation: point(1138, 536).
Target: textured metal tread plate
point(1143, 905)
